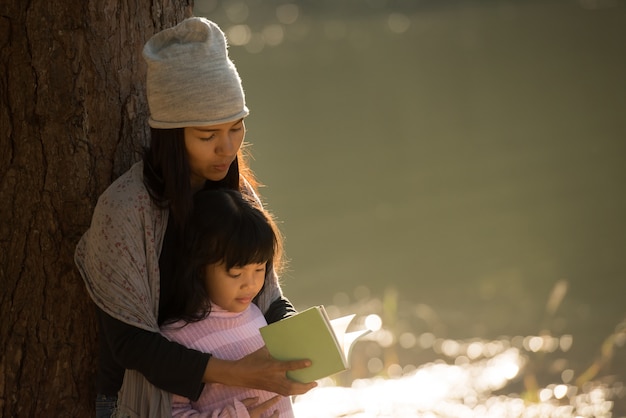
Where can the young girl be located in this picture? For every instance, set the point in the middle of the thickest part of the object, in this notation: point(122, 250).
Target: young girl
point(228, 251)
point(126, 257)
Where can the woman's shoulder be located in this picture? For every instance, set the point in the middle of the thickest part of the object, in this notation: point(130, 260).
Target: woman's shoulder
point(127, 192)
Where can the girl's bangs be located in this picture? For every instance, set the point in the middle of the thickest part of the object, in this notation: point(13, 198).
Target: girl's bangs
point(250, 244)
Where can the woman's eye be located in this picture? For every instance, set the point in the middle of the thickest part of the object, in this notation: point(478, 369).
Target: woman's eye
point(207, 138)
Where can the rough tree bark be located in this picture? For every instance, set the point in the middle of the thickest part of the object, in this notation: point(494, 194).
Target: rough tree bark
point(72, 118)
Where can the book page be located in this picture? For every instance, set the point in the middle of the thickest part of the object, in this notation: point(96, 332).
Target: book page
point(346, 339)
point(340, 325)
point(338, 330)
point(350, 338)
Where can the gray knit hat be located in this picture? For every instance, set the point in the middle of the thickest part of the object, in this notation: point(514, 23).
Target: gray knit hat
point(191, 81)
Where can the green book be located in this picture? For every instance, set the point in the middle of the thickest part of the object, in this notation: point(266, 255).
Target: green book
point(310, 334)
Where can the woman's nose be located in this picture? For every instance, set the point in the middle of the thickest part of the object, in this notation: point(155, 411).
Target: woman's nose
point(227, 145)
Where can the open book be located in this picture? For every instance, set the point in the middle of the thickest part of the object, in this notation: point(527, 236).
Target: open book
point(310, 334)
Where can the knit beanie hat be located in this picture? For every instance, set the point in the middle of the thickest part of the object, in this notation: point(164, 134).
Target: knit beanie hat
point(191, 80)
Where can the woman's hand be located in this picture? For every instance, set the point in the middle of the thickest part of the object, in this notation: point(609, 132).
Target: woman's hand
point(258, 370)
point(257, 411)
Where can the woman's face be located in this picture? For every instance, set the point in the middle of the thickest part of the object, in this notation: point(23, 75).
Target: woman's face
point(211, 150)
point(234, 289)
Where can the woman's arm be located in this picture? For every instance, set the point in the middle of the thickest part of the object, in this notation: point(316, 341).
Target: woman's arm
point(258, 370)
point(279, 309)
point(167, 365)
point(180, 370)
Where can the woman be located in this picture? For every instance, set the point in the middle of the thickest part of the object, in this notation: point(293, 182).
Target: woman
point(126, 258)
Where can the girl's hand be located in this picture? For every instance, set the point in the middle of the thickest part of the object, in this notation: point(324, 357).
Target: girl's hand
point(257, 411)
point(258, 370)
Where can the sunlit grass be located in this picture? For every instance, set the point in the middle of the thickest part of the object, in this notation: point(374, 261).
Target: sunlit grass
point(470, 389)
point(465, 378)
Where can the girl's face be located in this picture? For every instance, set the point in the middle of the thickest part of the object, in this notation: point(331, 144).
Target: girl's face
point(211, 150)
point(234, 289)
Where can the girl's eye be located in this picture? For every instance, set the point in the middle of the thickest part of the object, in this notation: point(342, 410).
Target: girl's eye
point(235, 273)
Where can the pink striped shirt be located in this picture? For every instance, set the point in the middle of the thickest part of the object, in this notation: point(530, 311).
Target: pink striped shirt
point(228, 336)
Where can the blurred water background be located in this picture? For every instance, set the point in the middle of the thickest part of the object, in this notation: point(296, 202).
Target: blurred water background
point(457, 171)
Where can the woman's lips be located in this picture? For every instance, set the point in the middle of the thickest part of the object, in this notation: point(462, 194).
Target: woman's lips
point(221, 167)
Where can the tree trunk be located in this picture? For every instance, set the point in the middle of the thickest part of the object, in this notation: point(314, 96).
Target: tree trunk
point(73, 116)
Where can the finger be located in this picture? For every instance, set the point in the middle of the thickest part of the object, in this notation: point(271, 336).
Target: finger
point(270, 402)
point(289, 387)
point(296, 364)
point(301, 388)
point(261, 352)
point(264, 406)
point(248, 402)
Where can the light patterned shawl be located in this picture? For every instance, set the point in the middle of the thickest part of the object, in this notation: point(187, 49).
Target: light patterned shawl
point(118, 258)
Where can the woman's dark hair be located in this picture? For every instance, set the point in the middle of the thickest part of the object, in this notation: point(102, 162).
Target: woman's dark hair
point(225, 226)
point(167, 175)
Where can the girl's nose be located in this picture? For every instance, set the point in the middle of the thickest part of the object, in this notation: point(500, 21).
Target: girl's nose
point(251, 280)
point(246, 282)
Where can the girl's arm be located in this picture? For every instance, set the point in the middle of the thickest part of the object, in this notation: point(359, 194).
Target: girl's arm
point(247, 408)
point(181, 408)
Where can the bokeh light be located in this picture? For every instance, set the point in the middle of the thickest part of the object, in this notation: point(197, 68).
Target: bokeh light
point(287, 13)
point(373, 322)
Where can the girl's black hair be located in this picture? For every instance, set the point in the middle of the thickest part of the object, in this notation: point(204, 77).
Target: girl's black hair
point(225, 226)
point(167, 175)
